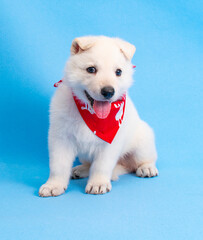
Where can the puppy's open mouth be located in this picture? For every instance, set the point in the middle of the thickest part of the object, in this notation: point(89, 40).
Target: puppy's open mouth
point(101, 108)
point(91, 100)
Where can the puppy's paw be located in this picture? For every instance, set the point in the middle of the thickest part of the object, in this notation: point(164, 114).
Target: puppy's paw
point(147, 170)
point(81, 171)
point(97, 186)
point(51, 190)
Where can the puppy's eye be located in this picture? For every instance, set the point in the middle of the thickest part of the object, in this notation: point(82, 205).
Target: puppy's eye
point(118, 72)
point(91, 70)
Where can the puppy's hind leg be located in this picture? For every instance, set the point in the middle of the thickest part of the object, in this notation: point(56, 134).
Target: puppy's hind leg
point(145, 151)
point(81, 171)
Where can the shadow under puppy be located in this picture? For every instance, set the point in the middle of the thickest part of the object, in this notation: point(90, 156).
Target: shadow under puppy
point(93, 117)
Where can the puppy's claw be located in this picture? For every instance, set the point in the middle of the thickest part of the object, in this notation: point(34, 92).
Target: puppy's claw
point(147, 170)
point(51, 190)
point(102, 188)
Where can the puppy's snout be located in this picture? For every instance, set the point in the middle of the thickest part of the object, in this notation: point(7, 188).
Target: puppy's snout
point(107, 92)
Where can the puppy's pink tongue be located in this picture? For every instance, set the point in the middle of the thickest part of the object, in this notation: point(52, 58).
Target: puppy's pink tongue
point(102, 109)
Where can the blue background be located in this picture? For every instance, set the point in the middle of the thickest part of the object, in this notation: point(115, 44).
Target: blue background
point(34, 45)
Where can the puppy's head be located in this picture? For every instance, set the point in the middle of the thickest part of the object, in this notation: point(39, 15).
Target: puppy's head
point(99, 70)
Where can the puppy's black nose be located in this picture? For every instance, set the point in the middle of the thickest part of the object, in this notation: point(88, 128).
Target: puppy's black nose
point(107, 92)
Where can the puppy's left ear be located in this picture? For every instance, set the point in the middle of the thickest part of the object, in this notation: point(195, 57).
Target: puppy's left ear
point(126, 48)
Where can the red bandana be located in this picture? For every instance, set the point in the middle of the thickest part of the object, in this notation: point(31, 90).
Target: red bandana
point(106, 128)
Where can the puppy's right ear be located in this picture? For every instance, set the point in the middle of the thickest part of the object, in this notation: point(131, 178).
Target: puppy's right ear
point(81, 44)
point(126, 48)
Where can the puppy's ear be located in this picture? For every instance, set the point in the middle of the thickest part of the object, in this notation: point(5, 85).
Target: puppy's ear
point(126, 48)
point(81, 44)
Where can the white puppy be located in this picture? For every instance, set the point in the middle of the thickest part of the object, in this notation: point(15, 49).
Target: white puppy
point(97, 76)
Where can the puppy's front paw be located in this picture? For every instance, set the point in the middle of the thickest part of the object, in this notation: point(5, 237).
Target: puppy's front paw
point(98, 186)
point(147, 170)
point(51, 189)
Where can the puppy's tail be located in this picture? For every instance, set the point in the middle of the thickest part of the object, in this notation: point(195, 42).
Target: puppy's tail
point(118, 170)
point(126, 164)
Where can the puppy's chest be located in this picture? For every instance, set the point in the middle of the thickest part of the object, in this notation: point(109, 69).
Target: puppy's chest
point(86, 142)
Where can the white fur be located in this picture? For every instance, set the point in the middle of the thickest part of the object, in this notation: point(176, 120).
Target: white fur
point(133, 148)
